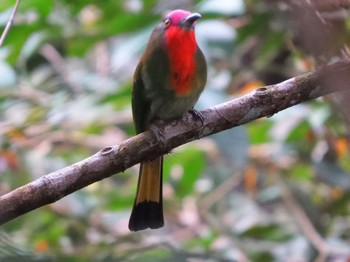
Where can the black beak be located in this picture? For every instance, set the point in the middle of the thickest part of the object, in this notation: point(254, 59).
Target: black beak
point(189, 20)
point(192, 18)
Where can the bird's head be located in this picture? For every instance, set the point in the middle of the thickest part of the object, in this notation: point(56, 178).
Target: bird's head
point(180, 19)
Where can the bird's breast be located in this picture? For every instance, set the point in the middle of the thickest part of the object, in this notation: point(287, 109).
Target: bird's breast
point(181, 48)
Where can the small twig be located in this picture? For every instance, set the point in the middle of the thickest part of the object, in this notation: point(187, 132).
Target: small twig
point(345, 52)
point(219, 192)
point(303, 221)
point(60, 66)
point(212, 198)
point(9, 23)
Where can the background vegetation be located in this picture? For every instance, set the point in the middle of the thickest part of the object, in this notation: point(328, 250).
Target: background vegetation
point(272, 190)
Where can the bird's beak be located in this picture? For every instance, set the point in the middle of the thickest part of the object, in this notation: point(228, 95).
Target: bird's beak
point(192, 18)
point(189, 20)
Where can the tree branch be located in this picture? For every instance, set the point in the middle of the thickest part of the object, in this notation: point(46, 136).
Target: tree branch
point(263, 102)
point(9, 23)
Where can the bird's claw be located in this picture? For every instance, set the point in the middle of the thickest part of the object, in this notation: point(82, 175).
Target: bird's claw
point(158, 133)
point(197, 114)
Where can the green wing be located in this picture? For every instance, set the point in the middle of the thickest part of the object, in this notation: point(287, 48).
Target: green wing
point(150, 81)
point(140, 104)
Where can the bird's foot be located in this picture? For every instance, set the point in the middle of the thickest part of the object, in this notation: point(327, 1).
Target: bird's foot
point(197, 114)
point(158, 131)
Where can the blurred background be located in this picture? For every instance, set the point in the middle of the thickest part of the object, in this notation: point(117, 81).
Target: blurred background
point(276, 189)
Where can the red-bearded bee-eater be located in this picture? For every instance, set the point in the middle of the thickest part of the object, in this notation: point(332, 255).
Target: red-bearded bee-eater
point(168, 81)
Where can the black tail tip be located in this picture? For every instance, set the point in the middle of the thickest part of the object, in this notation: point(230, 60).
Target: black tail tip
point(146, 215)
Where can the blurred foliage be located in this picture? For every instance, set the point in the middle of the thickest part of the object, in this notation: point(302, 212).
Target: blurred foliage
point(65, 84)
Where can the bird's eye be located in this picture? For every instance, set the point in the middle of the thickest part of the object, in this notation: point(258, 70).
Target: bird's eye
point(167, 22)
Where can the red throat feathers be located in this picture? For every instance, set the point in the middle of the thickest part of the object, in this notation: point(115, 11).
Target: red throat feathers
point(181, 45)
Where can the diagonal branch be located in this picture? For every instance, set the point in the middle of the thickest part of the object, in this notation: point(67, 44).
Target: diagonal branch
point(262, 102)
point(9, 23)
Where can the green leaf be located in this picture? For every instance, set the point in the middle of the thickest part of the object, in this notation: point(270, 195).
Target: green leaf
point(118, 201)
point(125, 23)
point(43, 9)
point(271, 45)
point(79, 46)
point(259, 131)
point(5, 4)
point(257, 25)
point(270, 232)
point(261, 256)
point(16, 38)
point(299, 132)
point(120, 99)
point(205, 241)
point(150, 255)
point(301, 172)
point(192, 161)
point(76, 6)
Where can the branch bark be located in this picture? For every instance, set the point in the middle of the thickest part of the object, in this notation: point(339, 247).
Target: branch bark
point(263, 102)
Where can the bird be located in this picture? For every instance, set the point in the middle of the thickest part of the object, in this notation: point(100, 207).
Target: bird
point(168, 81)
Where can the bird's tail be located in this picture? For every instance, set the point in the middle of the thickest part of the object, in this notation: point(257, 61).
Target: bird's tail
point(148, 206)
